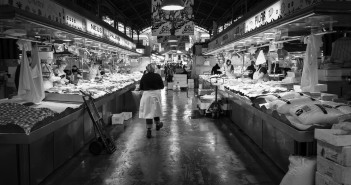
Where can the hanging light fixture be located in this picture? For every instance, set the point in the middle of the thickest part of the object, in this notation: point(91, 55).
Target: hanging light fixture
point(172, 5)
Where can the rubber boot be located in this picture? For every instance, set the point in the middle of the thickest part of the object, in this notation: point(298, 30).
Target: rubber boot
point(159, 125)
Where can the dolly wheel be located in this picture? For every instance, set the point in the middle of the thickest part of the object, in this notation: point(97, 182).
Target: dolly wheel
point(96, 147)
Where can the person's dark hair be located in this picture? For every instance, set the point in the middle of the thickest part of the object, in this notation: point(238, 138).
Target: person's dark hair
point(228, 61)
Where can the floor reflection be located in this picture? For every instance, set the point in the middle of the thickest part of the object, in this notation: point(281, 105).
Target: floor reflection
point(185, 152)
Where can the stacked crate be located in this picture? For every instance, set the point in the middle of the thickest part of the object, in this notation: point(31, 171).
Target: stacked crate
point(181, 80)
point(333, 157)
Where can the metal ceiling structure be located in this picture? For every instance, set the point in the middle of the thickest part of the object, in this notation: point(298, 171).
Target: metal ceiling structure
point(137, 13)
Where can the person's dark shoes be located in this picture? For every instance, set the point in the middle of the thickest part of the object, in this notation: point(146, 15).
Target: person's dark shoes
point(148, 133)
point(159, 125)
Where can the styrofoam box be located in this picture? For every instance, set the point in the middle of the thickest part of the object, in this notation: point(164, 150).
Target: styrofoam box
point(333, 137)
point(324, 180)
point(321, 87)
point(338, 173)
point(127, 115)
point(328, 97)
point(205, 91)
point(117, 119)
point(170, 85)
point(293, 74)
point(190, 80)
point(337, 154)
point(333, 72)
point(330, 78)
point(191, 86)
point(297, 88)
point(204, 104)
point(180, 75)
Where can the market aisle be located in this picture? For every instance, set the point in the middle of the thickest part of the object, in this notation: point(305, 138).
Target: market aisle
point(188, 150)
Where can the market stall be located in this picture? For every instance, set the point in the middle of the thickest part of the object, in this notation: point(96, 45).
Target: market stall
point(289, 35)
point(62, 54)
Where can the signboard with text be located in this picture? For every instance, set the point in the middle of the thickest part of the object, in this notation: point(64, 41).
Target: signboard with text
point(74, 20)
point(280, 9)
point(94, 29)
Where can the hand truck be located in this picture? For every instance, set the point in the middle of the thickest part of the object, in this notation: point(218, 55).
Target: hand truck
point(215, 107)
point(103, 140)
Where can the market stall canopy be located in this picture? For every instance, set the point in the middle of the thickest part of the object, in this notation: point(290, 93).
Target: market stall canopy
point(47, 25)
point(282, 24)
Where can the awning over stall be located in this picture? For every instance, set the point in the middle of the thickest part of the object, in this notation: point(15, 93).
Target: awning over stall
point(283, 21)
point(50, 22)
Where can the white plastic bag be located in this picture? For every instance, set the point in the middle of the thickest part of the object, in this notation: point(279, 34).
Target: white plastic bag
point(301, 171)
point(283, 105)
point(315, 114)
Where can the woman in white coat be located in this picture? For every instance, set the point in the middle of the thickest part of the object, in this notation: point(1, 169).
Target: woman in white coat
point(150, 104)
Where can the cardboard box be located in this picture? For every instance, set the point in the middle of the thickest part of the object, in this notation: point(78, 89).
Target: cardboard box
point(127, 115)
point(117, 119)
point(190, 80)
point(338, 173)
point(333, 137)
point(324, 180)
point(338, 154)
point(191, 86)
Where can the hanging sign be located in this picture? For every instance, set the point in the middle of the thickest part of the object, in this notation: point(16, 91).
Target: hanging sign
point(112, 37)
point(94, 29)
point(75, 21)
point(266, 16)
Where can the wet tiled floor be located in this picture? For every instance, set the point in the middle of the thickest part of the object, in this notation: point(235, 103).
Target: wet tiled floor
point(188, 150)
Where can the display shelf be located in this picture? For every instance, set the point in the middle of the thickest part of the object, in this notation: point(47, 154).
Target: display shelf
point(276, 137)
point(53, 143)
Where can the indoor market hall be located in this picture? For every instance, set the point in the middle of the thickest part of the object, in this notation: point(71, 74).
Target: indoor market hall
point(175, 92)
point(191, 149)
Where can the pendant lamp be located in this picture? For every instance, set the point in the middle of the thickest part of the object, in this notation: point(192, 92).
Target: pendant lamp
point(172, 5)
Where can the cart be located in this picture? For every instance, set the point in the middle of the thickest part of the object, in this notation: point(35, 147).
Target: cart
point(215, 107)
point(103, 140)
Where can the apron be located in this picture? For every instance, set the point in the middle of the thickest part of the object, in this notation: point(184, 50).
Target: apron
point(256, 75)
point(228, 70)
point(150, 105)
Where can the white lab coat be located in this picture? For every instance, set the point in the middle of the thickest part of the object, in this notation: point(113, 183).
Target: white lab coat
point(150, 105)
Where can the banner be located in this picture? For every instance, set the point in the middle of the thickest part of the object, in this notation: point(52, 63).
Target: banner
point(163, 21)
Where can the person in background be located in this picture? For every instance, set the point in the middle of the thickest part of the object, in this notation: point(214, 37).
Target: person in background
point(150, 104)
point(251, 69)
point(228, 68)
point(261, 74)
point(158, 69)
point(60, 72)
point(170, 73)
point(184, 70)
point(215, 70)
point(101, 70)
point(76, 75)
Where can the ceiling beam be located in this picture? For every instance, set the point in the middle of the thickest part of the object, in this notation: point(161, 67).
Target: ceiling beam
point(197, 10)
point(141, 18)
point(210, 12)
